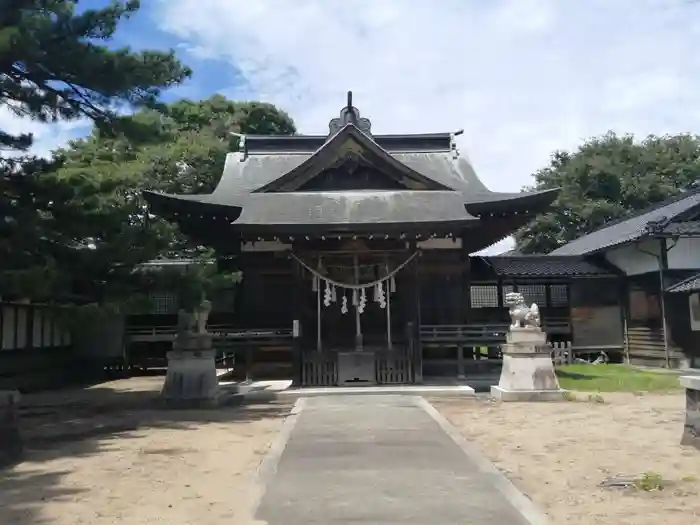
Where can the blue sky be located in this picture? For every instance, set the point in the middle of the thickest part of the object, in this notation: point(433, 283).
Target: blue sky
point(522, 77)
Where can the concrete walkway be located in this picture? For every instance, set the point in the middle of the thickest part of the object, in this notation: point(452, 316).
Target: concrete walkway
point(382, 460)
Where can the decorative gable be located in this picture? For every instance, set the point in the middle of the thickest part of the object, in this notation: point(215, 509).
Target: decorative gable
point(351, 160)
point(351, 173)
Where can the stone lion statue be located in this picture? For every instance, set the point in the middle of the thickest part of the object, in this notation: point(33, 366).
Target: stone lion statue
point(186, 322)
point(194, 322)
point(521, 315)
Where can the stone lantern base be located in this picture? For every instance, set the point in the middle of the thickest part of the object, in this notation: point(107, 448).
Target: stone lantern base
point(528, 372)
point(191, 379)
point(691, 429)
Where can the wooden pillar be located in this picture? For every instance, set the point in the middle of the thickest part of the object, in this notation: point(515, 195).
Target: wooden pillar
point(414, 317)
point(465, 312)
point(465, 304)
point(624, 296)
point(499, 294)
point(297, 313)
point(663, 266)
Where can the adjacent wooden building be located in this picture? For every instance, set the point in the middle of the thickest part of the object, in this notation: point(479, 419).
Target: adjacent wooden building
point(655, 250)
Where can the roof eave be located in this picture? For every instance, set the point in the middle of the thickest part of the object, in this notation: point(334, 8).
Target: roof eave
point(515, 203)
point(679, 287)
point(426, 228)
point(173, 205)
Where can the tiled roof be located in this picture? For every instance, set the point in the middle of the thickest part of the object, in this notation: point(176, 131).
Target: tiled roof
point(691, 284)
point(634, 227)
point(545, 266)
point(687, 228)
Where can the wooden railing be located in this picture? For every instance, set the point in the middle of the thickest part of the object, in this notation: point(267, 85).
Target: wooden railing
point(320, 370)
point(260, 352)
point(393, 369)
point(461, 350)
point(163, 332)
point(467, 334)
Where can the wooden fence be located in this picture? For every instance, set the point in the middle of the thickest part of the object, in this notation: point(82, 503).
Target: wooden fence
point(36, 351)
point(26, 326)
point(562, 353)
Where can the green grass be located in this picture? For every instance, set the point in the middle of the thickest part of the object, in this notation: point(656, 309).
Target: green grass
point(614, 378)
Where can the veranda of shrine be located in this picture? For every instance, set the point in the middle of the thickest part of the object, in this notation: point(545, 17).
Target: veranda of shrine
point(356, 255)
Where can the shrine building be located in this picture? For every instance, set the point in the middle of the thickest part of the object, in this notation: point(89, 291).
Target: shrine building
point(355, 252)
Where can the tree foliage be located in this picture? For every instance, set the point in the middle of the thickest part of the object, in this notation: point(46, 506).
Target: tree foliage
point(90, 222)
point(191, 283)
point(605, 179)
point(54, 65)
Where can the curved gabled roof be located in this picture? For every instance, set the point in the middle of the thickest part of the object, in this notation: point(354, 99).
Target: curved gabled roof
point(427, 156)
point(318, 208)
point(266, 184)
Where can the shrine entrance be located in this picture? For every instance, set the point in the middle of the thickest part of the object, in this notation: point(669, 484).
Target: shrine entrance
point(362, 320)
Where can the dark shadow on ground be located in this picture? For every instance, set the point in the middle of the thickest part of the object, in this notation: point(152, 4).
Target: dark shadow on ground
point(86, 421)
point(575, 375)
point(483, 383)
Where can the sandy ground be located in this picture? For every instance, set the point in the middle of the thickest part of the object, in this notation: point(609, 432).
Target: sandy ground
point(559, 453)
point(109, 455)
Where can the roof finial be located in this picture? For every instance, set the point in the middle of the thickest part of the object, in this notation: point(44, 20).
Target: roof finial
point(350, 115)
point(242, 149)
point(453, 143)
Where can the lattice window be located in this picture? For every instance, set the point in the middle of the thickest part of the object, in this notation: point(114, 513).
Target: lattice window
point(558, 295)
point(484, 296)
point(506, 288)
point(163, 303)
point(534, 293)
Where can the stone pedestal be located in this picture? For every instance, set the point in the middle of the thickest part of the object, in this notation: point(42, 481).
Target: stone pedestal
point(528, 372)
point(691, 430)
point(191, 379)
point(10, 439)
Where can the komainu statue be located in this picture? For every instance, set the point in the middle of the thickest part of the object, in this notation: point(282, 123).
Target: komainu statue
point(521, 315)
point(194, 322)
point(186, 322)
point(201, 316)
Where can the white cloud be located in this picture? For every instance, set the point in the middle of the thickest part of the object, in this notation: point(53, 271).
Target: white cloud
point(46, 137)
point(522, 77)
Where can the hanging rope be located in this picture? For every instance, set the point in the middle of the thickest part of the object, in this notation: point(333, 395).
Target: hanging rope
point(387, 277)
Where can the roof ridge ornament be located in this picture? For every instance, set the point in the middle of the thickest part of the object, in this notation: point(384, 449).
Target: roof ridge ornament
point(242, 146)
point(453, 143)
point(656, 226)
point(349, 115)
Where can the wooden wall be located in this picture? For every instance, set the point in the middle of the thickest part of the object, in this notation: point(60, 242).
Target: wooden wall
point(645, 328)
point(680, 330)
point(637, 259)
point(264, 297)
point(597, 315)
point(36, 352)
